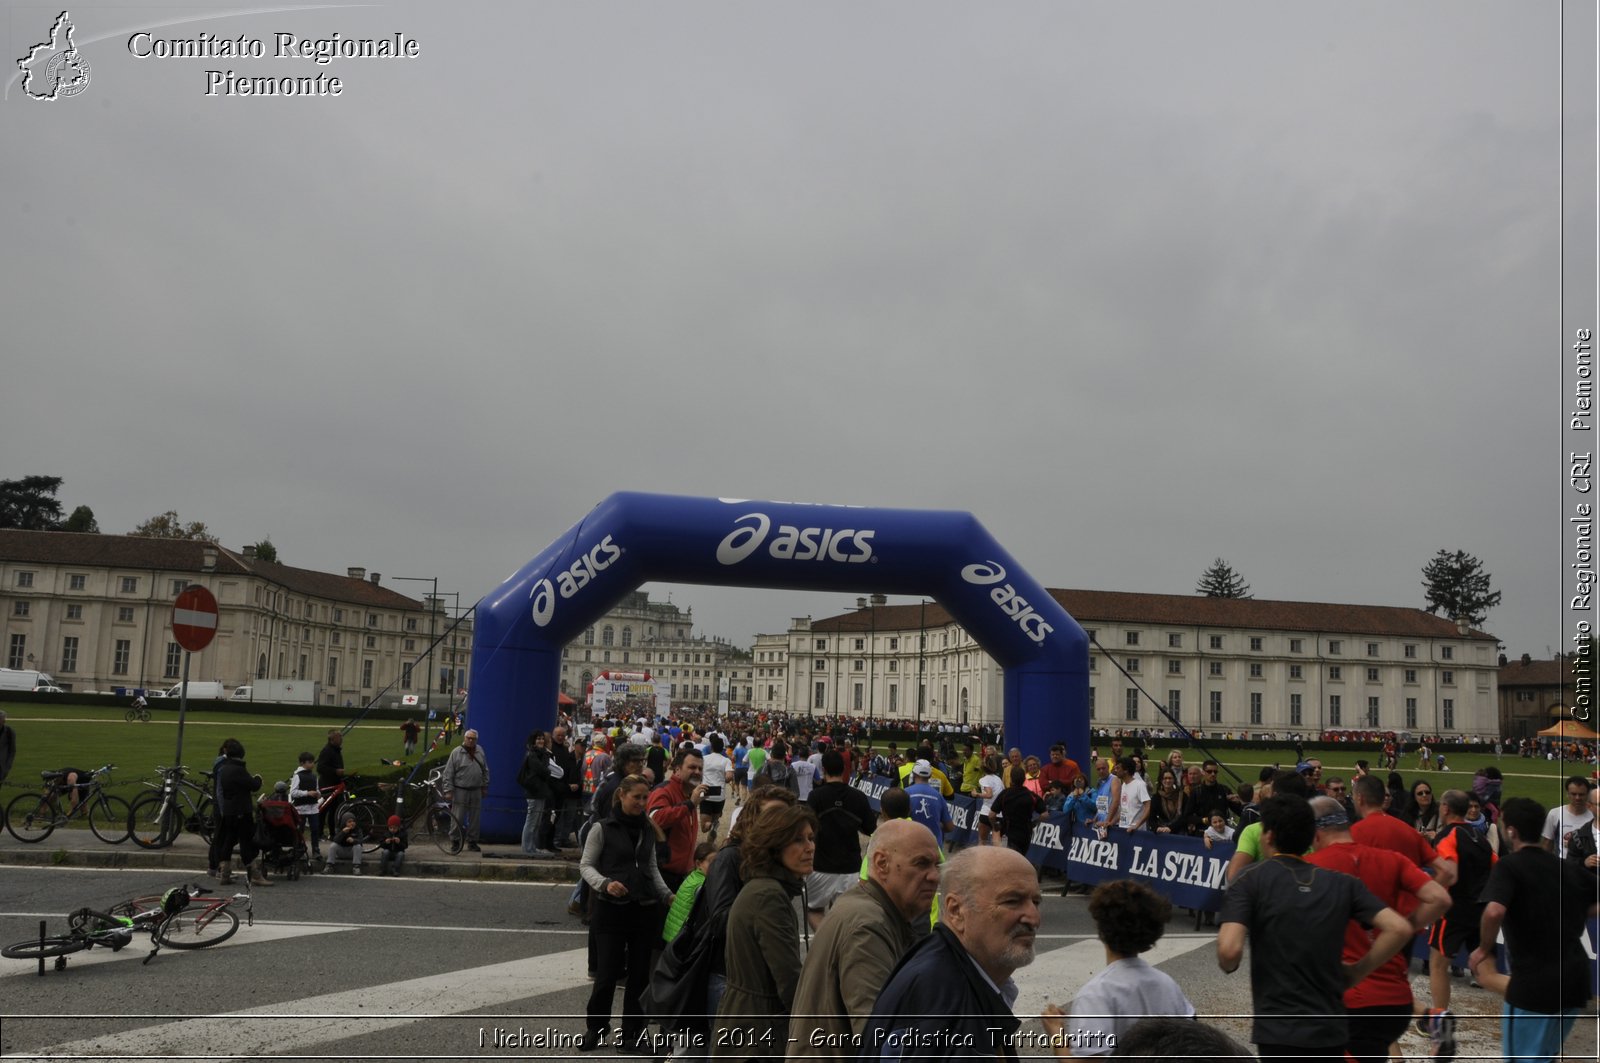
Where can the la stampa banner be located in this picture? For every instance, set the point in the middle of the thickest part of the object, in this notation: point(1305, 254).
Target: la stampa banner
point(1177, 866)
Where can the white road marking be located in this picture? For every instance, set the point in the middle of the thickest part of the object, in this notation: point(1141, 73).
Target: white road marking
point(139, 948)
point(269, 1030)
point(266, 1030)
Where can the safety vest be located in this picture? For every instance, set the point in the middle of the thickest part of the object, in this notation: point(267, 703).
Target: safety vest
point(590, 779)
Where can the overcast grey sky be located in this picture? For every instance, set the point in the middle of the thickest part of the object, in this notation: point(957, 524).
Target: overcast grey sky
point(1138, 284)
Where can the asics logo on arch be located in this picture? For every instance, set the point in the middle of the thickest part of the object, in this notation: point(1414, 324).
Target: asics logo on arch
point(848, 545)
point(1012, 604)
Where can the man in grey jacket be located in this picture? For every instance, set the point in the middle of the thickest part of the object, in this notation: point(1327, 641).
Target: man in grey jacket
point(466, 776)
point(861, 939)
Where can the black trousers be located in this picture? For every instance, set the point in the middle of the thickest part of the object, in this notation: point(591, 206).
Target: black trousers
point(1374, 1029)
point(624, 937)
point(234, 830)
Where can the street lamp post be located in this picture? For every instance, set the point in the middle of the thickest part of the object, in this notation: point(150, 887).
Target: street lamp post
point(433, 601)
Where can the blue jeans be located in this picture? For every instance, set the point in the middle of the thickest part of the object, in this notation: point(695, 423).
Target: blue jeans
point(1534, 1035)
point(532, 825)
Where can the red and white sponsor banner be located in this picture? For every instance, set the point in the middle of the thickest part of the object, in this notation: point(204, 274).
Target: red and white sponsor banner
point(194, 619)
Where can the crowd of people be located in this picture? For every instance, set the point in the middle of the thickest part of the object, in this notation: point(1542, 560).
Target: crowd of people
point(787, 940)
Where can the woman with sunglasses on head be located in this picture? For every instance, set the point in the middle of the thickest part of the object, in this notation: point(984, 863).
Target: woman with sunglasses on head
point(1424, 813)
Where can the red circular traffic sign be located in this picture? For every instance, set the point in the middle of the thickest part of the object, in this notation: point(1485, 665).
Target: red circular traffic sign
point(194, 619)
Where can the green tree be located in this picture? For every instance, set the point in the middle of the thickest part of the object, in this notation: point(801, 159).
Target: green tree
point(265, 551)
point(1458, 587)
point(30, 503)
point(1221, 581)
point(82, 520)
point(169, 525)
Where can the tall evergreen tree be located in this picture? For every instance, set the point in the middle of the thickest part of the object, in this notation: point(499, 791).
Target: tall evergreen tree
point(82, 520)
point(1458, 587)
point(30, 503)
point(265, 551)
point(1221, 581)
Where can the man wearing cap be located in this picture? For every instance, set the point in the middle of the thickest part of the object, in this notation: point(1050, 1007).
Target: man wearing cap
point(928, 806)
point(392, 848)
point(938, 778)
point(1379, 1007)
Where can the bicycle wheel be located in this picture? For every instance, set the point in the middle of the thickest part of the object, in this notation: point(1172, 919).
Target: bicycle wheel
point(197, 927)
point(31, 817)
point(369, 820)
point(108, 818)
point(442, 826)
point(43, 949)
point(129, 716)
point(204, 820)
point(152, 821)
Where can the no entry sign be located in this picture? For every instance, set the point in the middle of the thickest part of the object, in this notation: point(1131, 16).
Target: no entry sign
point(194, 619)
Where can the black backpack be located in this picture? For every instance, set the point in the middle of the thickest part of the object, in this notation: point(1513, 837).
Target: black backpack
point(1474, 861)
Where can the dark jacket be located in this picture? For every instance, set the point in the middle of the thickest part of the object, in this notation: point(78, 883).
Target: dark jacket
point(1580, 848)
point(329, 763)
point(938, 1005)
point(561, 790)
point(8, 750)
point(763, 967)
point(235, 787)
point(534, 776)
point(622, 851)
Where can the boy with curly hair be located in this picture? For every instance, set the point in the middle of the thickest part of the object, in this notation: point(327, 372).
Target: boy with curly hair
point(1130, 918)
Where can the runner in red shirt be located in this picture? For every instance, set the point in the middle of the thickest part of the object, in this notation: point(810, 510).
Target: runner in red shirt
point(1386, 832)
point(1380, 1005)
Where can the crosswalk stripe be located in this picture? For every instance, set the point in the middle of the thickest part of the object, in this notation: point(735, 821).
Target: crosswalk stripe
point(263, 1031)
point(1055, 975)
point(139, 948)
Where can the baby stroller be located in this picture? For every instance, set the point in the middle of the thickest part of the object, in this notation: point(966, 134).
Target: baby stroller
point(279, 835)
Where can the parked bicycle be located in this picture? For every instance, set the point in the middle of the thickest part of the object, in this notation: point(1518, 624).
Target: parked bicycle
point(34, 817)
point(370, 816)
point(434, 821)
point(175, 805)
point(184, 917)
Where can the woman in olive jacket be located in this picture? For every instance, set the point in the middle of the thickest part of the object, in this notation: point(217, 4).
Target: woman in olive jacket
point(763, 950)
point(630, 904)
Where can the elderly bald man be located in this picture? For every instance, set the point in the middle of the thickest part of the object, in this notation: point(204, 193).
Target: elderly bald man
point(951, 996)
point(861, 939)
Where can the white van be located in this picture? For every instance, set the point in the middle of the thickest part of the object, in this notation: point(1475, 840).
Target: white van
point(27, 679)
point(199, 690)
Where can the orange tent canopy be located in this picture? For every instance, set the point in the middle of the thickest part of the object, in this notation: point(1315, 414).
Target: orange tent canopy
point(1568, 729)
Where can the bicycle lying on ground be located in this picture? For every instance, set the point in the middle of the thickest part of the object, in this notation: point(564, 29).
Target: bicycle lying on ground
point(33, 817)
point(184, 917)
point(175, 805)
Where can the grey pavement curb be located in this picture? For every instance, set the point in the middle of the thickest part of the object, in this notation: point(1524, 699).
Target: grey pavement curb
point(496, 864)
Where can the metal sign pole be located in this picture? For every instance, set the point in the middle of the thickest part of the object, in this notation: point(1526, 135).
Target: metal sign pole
point(183, 705)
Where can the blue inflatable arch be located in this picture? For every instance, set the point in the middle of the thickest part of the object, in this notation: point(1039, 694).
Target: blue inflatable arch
point(633, 538)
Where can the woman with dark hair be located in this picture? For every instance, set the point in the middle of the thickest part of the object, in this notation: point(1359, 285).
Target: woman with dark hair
point(763, 950)
point(1398, 804)
point(630, 904)
point(539, 789)
point(723, 884)
point(236, 820)
point(1424, 811)
point(1167, 807)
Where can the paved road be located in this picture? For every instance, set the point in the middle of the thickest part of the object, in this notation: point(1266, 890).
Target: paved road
point(340, 967)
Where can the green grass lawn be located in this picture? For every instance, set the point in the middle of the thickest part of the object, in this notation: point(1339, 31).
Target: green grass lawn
point(65, 735)
point(1539, 779)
